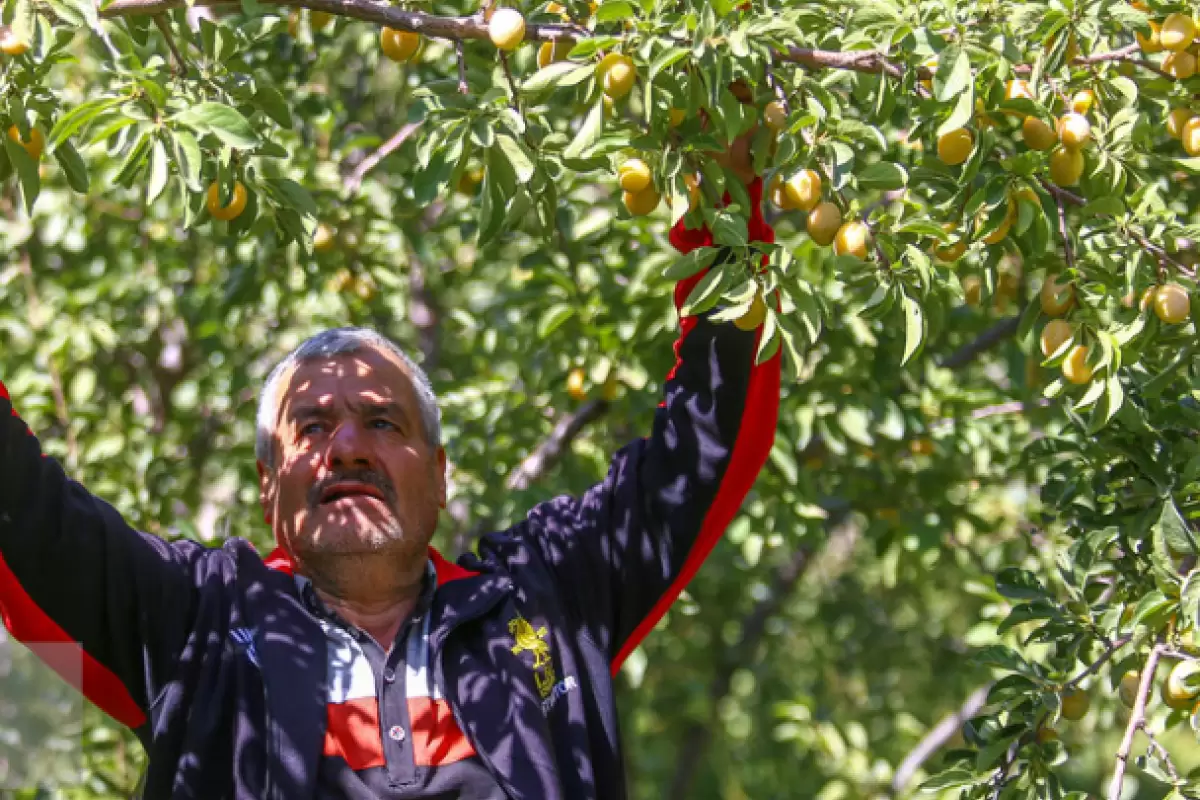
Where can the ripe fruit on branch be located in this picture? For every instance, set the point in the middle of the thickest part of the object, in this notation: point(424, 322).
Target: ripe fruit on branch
point(951, 252)
point(617, 74)
point(1055, 333)
point(1171, 303)
point(972, 290)
point(1190, 136)
point(1045, 735)
point(10, 45)
point(851, 239)
point(1074, 130)
point(1177, 32)
point(675, 117)
point(1066, 166)
point(575, 383)
point(633, 175)
point(754, 316)
point(803, 190)
point(930, 64)
point(34, 145)
point(1038, 134)
point(551, 52)
point(823, 223)
point(997, 236)
point(1180, 66)
point(1082, 101)
point(1177, 119)
point(399, 46)
point(1056, 297)
point(954, 147)
point(319, 20)
point(775, 116)
point(742, 91)
point(1018, 88)
point(1152, 43)
point(1075, 367)
point(1182, 686)
point(235, 207)
point(1075, 704)
point(1127, 690)
point(639, 204)
point(324, 238)
point(507, 28)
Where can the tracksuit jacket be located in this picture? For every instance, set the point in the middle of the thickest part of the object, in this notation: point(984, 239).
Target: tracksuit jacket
point(214, 661)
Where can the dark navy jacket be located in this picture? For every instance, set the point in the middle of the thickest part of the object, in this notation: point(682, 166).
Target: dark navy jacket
point(211, 657)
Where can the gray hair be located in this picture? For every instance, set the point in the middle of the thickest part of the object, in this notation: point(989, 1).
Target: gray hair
point(336, 342)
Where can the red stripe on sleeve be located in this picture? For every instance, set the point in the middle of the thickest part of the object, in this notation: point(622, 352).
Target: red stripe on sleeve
point(29, 624)
point(755, 436)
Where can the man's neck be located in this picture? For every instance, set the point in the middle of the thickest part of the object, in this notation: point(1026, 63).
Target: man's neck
point(369, 593)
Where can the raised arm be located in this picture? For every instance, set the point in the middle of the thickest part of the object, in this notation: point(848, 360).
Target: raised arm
point(623, 552)
point(73, 572)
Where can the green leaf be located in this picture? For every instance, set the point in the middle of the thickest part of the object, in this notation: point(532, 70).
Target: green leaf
point(1173, 532)
point(514, 151)
point(72, 166)
point(953, 74)
point(667, 58)
point(914, 328)
point(1019, 584)
point(185, 151)
point(706, 292)
point(222, 121)
point(963, 111)
point(79, 116)
point(949, 779)
point(27, 171)
point(614, 11)
point(589, 131)
point(553, 318)
point(883, 175)
point(560, 73)
point(690, 264)
point(294, 195)
point(273, 104)
point(158, 171)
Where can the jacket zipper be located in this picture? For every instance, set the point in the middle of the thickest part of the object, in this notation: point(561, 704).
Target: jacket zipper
point(452, 697)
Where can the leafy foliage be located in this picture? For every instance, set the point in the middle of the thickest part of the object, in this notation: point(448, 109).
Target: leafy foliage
point(949, 504)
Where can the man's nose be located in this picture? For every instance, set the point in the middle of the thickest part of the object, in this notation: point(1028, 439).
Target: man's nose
point(348, 447)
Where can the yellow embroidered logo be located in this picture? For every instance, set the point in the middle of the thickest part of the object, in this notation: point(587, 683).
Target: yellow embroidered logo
point(531, 640)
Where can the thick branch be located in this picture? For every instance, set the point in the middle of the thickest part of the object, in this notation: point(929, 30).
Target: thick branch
point(938, 735)
point(985, 341)
point(551, 449)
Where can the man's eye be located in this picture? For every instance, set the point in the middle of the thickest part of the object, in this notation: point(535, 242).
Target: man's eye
point(309, 428)
point(381, 421)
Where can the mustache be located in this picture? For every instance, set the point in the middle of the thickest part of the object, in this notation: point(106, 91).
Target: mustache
point(368, 476)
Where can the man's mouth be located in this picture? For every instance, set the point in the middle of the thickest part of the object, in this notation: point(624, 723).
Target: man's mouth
point(350, 489)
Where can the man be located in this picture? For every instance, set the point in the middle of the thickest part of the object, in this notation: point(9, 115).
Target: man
point(355, 661)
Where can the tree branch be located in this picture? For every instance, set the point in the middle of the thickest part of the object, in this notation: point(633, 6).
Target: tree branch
point(938, 735)
point(369, 163)
point(1137, 721)
point(1108, 653)
point(164, 28)
point(991, 337)
point(547, 454)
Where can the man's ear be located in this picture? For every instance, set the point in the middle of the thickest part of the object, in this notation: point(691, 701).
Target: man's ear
point(441, 476)
point(266, 490)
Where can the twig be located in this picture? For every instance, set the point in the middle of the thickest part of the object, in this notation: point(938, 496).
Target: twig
point(1108, 653)
point(355, 179)
point(1156, 746)
point(1161, 254)
point(1001, 777)
point(1062, 231)
point(551, 449)
point(181, 64)
point(1002, 330)
point(512, 85)
point(461, 52)
point(938, 735)
point(1137, 721)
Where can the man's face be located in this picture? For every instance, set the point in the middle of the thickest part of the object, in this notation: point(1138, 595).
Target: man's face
point(354, 474)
